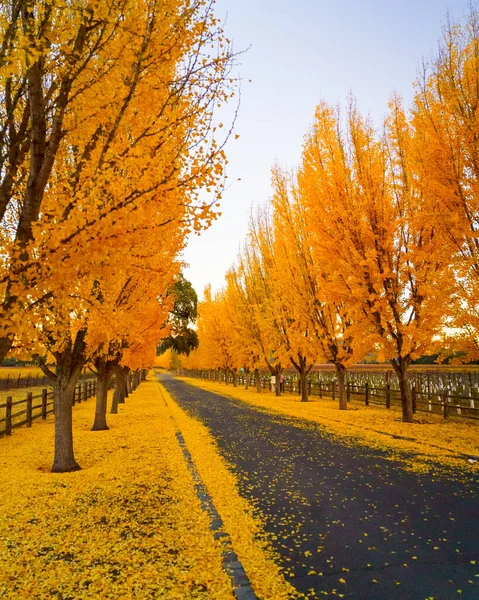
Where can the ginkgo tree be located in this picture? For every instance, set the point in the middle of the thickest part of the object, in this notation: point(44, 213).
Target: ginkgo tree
point(216, 334)
point(445, 121)
point(324, 322)
point(375, 235)
point(132, 158)
point(280, 315)
point(97, 95)
point(255, 279)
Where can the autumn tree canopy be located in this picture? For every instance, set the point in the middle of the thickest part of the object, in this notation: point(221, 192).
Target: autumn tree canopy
point(109, 136)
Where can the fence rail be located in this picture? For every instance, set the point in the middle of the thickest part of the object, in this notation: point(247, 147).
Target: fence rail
point(14, 382)
point(436, 396)
point(39, 406)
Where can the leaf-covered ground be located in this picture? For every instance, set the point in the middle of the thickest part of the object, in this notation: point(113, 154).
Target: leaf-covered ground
point(248, 539)
point(129, 525)
point(433, 442)
point(346, 519)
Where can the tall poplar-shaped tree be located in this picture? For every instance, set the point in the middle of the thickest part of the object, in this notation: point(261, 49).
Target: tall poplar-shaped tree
point(133, 154)
point(216, 334)
point(256, 280)
point(332, 333)
point(446, 144)
point(383, 251)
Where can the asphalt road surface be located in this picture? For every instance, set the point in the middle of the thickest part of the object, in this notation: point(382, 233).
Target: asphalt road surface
point(345, 520)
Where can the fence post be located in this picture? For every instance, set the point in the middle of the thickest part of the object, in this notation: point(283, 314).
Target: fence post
point(85, 391)
point(366, 393)
point(348, 392)
point(29, 409)
point(414, 398)
point(445, 402)
point(334, 390)
point(471, 395)
point(320, 388)
point(388, 395)
point(8, 416)
point(44, 403)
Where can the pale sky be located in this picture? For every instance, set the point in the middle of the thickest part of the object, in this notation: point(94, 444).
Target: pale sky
point(301, 52)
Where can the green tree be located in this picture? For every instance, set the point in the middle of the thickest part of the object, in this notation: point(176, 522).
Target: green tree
point(183, 338)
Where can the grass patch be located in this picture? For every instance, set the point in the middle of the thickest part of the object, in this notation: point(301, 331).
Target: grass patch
point(15, 372)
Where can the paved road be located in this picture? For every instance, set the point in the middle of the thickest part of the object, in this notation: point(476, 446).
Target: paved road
point(345, 520)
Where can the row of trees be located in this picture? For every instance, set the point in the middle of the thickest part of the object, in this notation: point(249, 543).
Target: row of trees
point(107, 137)
point(371, 245)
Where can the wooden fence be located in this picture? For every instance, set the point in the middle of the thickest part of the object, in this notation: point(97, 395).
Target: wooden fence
point(18, 413)
point(380, 392)
point(14, 382)
point(39, 406)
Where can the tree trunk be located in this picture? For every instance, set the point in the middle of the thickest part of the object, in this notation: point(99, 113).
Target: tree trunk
point(278, 371)
point(226, 377)
point(303, 370)
point(64, 460)
point(129, 388)
point(401, 366)
point(69, 364)
point(257, 379)
point(246, 379)
point(304, 385)
point(119, 391)
point(126, 393)
point(102, 378)
point(235, 382)
point(340, 372)
point(6, 343)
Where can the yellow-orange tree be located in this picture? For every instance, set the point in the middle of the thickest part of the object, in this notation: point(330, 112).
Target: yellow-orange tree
point(130, 315)
point(247, 337)
point(320, 322)
point(131, 161)
point(254, 280)
point(446, 143)
point(99, 94)
point(281, 310)
point(375, 234)
point(110, 309)
point(216, 348)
